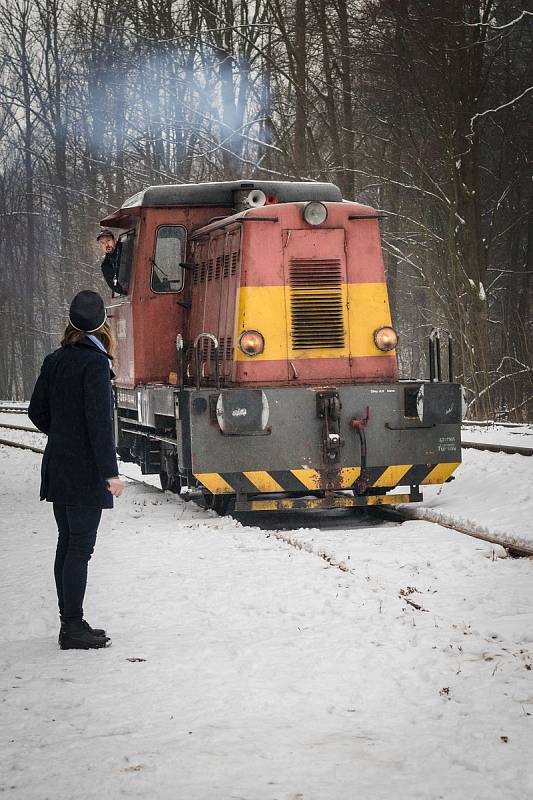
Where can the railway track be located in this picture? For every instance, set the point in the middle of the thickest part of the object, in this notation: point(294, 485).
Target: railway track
point(394, 513)
point(489, 446)
point(10, 443)
point(22, 408)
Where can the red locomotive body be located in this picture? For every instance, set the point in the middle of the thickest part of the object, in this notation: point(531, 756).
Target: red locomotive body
point(256, 358)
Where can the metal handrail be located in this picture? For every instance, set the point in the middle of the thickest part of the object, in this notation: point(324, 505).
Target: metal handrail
point(212, 338)
point(179, 359)
point(435, 365)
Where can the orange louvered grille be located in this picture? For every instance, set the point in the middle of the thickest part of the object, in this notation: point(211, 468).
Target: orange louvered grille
point(317, 314)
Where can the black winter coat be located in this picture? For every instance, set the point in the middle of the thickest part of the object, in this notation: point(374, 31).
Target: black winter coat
point(73, 404)
point(109, 268)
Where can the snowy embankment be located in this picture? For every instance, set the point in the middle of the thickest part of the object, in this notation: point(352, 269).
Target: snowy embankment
point(491, 494)
point(242, 667)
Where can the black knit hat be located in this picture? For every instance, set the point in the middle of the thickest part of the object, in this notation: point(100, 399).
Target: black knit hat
point(106, 232)
point(87, 312)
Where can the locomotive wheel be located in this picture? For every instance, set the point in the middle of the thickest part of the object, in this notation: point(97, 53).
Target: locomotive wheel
point(170, 483)
point(174, 484)
point(219, 503)
point(124, 453)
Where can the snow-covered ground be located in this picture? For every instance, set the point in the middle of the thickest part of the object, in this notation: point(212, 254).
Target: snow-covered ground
point(490, 493)
point(266, 672)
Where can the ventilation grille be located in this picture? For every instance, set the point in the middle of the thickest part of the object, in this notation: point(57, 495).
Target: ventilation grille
point(228, 352)
point(225, 348)
point(317, 313)
point(225, 272)
point(222, 267)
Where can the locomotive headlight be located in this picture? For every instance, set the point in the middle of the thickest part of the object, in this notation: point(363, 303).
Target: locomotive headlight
point(386, 338)
point(251, 343)
point(315, 213)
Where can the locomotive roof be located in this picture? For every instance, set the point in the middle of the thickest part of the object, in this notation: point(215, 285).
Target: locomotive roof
point(223, 193)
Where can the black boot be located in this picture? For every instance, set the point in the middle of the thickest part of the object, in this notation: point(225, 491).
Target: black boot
point(95, 631)
point(78, 636)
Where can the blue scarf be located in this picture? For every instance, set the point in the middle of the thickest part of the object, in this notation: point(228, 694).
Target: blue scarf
point(99, 344)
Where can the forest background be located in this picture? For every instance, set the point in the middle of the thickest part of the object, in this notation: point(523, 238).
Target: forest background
point(421, 109)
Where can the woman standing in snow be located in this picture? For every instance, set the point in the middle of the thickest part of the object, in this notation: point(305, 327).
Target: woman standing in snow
point(72, 403)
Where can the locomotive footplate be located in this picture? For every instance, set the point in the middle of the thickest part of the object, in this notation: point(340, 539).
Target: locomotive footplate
point(330, 500)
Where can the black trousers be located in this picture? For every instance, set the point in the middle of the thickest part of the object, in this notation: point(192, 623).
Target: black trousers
point(77, 527)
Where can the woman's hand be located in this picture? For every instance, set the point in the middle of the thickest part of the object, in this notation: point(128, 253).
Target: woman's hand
point(115, 486)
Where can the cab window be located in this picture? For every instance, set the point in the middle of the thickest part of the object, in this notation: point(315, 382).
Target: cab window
point(167, 275)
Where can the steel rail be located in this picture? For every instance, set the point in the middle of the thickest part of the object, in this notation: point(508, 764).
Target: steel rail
point(487, 423)
point(498, 448)
point(20, 428)
point(421, 514)
point(10, 443)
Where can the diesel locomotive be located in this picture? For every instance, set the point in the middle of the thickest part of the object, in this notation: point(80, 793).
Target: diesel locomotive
point(256, 363)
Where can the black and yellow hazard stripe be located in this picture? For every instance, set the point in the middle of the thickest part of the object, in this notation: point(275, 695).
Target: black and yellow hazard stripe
point(304, 480)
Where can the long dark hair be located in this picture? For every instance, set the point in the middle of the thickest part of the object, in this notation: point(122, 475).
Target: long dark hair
point(103, 334)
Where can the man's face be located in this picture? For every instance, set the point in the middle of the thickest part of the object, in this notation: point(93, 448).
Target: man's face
point(107, 244)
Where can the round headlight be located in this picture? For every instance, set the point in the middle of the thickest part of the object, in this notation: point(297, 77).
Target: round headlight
point(251, 343)
point(315, 213)
point(386, 338)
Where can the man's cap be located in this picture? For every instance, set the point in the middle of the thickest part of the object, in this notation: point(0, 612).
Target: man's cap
point(105, 232)
point(87, 312)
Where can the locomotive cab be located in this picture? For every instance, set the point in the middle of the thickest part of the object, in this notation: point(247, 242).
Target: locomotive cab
point(256, 357)
point(153, 240)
